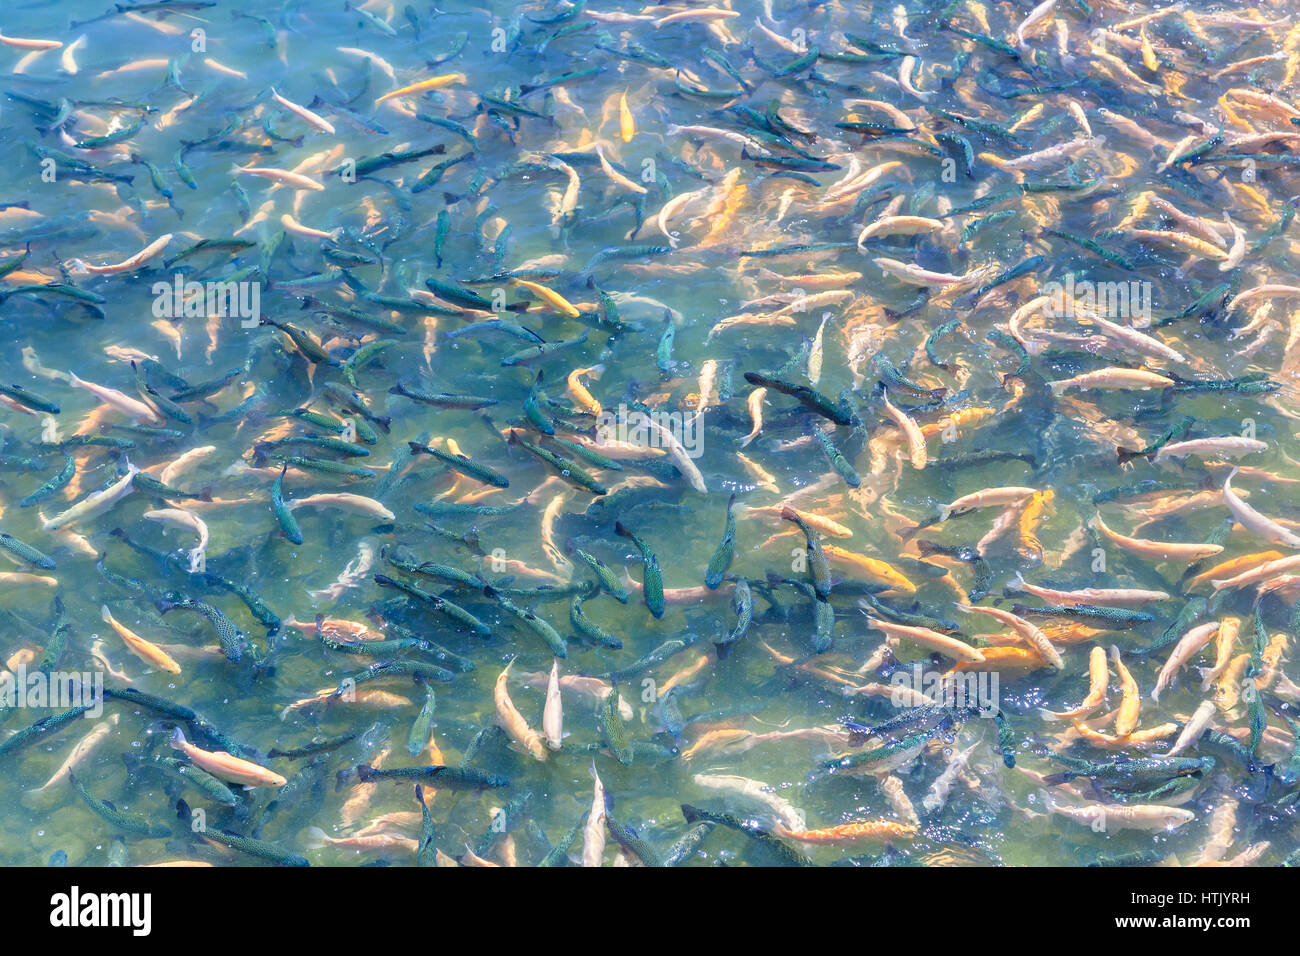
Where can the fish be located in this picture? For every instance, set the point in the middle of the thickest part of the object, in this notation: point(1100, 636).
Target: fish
point(1026, 630)
point(1139, 816)
point(515, 726)
point(553, 711)
point(976, 305)
point(652, 589)
point(226, 766)
point(147, 651)
point(1254, 522)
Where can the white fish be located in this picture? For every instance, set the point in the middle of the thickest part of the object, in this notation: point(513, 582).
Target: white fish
point(1036, 16)
point(151, 251)
point(679, 455)
point(934, 800)
point(1193, 729)
point(185, 519)
point(281, 176)
point(915, 437)
point(94, 503)
point(553, 711)
point(125, 404)
point(593, 832)
point(68, 58)
point(815, 353)
point(1111, 817)
point(342, 499)
point(1254, 522)
point(905, 69)
point(80, 751)
point(1188, 645)
point(1228, 446)
point(307, 115)
point(754, 794)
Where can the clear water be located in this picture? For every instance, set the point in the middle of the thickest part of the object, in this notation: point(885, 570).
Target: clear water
point(994, 814)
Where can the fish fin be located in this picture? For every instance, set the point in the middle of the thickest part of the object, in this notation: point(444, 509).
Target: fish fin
point(316, 838)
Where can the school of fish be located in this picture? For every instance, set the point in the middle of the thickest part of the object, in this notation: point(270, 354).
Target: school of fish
point(359, 352)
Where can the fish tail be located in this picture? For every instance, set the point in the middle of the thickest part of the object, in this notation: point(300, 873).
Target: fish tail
point(316, 838)
point(177, 739)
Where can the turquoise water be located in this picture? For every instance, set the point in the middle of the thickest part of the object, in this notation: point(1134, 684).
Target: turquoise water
point(763, 271)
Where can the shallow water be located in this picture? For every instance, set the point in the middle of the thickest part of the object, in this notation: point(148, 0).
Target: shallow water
point(772, 679)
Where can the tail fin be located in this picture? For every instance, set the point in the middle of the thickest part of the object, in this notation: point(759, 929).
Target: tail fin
point(1125, 455)
point(925, 547)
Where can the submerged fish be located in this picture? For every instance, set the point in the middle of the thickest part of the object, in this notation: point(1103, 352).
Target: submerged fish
point(830, 317)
